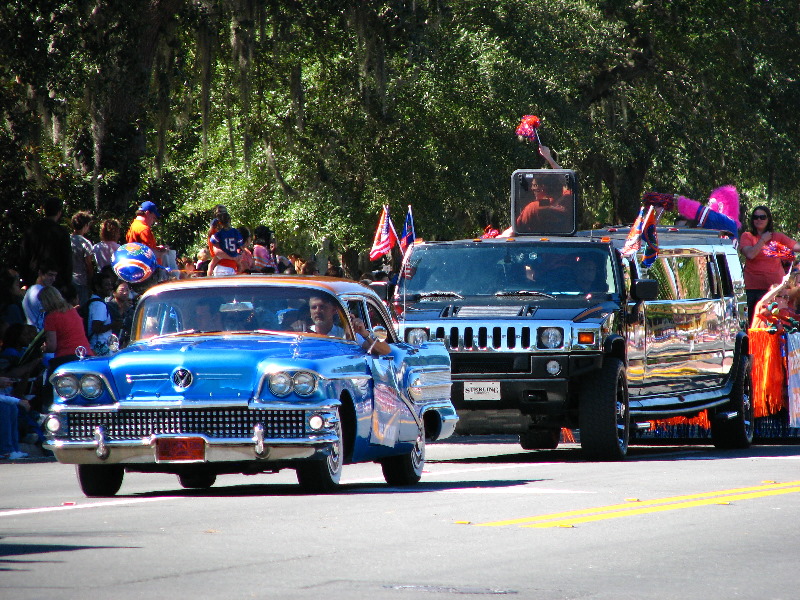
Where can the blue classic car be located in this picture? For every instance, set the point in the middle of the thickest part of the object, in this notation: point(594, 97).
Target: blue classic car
point(227, 375)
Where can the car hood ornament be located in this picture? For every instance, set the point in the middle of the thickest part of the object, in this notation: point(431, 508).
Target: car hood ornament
point(181, 378)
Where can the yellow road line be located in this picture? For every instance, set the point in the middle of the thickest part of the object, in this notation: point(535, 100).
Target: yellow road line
point(664, 507)
point(674, 502)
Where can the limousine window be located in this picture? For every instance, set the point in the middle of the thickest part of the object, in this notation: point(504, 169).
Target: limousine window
point(692, 277)
point(725, 275)
point(661, 271)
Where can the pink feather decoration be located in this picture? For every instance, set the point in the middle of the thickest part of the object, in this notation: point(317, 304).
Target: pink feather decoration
point(725, 200)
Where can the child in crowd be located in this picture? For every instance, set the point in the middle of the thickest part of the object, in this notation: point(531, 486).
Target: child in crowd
point(227, 248)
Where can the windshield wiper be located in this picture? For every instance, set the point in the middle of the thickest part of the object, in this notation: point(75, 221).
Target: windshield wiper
point(525, 293)
point(442, 294)
point(174, 333)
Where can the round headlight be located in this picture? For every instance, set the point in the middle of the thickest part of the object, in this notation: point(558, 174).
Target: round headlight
point(52, 424)
point(304, 383)
point(551, 337)
point(91, 386)
point(66, 386)
point(280, 384)
point(553, 367)
point(417, 336)
point(316, 422)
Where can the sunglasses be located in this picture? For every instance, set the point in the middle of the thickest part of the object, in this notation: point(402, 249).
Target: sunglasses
point(760, 217)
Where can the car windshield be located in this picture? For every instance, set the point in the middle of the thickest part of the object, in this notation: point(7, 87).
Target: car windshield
point(539, 269)
point(239, 308)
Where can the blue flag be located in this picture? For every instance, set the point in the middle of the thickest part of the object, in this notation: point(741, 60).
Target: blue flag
point(408, 236)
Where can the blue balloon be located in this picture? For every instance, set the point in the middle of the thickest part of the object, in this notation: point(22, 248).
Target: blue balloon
point(134, 262)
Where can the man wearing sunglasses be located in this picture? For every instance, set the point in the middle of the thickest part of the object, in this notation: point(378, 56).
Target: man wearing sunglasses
point(764, 250)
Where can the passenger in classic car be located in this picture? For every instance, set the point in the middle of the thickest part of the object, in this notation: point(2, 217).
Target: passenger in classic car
point(206, 315)
point(322, 314)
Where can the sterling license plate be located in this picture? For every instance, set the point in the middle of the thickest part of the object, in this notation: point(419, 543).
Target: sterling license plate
point(482, 390)
point(188, 449)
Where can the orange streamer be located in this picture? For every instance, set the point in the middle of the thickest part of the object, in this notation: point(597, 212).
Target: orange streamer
point(769, 372)
point(700, 420)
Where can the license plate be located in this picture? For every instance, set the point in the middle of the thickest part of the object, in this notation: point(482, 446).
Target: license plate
point(482, 390)
point(181, 449)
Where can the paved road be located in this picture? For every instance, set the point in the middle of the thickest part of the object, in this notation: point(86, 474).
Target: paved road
point(487, 520)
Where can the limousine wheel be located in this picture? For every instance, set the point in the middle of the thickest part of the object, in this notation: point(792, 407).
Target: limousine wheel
point(603, 413)
point(197, 479)
point(733, 425)
point(540, 439)
point(405, 469)
point(322, 476)
point(100, 480)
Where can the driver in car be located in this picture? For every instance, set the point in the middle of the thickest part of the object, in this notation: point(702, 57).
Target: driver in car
point(323, 312)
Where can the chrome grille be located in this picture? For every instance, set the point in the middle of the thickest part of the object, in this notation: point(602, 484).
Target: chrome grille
point(486, 338)
point(214, 423)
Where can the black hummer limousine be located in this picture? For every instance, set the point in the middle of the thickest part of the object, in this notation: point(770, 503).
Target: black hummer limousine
point(548, 331)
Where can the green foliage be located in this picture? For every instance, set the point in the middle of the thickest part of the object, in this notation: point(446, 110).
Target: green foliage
point(309, 116)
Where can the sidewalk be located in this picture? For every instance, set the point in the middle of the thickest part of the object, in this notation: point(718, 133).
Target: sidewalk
point(35, 455)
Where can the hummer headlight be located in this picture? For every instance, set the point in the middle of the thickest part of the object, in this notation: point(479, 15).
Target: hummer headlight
point(551, 337)
point(280, 384)
point(91, 386)
point(66, 386)
point(417, 336)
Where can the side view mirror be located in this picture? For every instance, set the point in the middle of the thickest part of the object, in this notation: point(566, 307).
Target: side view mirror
point(380, 333)
point(644, 289)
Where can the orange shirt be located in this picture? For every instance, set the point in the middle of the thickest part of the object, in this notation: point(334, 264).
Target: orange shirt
point(141, 233)
point(762, 272)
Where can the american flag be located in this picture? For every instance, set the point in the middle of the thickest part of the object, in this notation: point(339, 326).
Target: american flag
point(385, 236)
point(409, 235)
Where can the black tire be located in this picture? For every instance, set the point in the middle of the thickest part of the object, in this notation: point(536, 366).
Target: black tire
point(322, 476)
point(99, 481)
point(736, 433)
point(540, 439)
point(603, 416)
point(199, 479)
point(405, 469)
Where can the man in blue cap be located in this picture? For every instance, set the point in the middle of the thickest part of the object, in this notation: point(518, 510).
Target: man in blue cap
point(140, 230)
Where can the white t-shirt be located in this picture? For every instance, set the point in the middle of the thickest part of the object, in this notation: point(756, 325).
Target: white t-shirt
point(104, 253)
point(81, 248)
point(32, 307)
point(98, 311)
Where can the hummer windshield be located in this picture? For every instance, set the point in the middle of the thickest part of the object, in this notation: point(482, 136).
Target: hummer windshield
point(544, 269)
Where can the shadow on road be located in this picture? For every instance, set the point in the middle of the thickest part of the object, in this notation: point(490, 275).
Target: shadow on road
point(266, 489)
point(10, 554)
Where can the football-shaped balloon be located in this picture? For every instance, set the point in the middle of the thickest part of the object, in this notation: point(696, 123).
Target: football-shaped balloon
point(134, 262)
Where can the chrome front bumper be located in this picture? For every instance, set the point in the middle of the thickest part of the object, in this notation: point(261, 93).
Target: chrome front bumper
point(104, 452)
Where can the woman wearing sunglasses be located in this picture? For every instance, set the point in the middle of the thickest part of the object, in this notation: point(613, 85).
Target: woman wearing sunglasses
point(763, 250)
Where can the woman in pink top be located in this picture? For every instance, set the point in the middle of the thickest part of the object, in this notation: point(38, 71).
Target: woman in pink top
point(762, 269)
point(63, 326)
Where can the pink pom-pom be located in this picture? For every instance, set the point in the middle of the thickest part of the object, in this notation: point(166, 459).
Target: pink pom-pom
point(725, 200)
